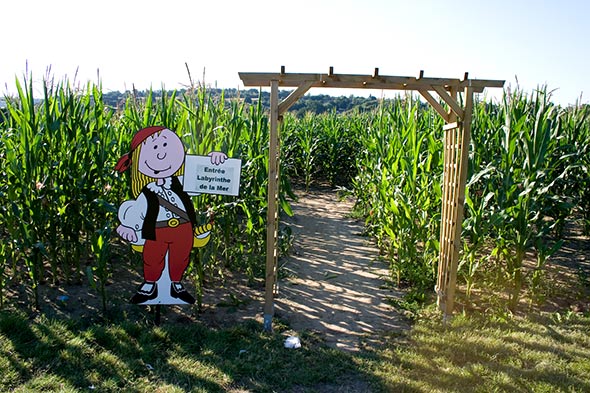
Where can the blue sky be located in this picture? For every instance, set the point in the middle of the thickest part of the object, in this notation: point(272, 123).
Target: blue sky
point(147, 43)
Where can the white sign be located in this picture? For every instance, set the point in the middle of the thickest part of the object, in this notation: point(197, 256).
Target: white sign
point(201, 176)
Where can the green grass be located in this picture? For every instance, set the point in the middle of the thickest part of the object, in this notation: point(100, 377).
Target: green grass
point(540, 353)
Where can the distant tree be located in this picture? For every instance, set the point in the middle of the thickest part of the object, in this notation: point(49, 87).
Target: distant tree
point(317, 103)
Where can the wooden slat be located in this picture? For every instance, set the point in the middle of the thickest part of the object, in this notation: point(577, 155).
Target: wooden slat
point(478, 84)
point(441, 286)
point(450, 126)
point(452, 184)
point(451, 243)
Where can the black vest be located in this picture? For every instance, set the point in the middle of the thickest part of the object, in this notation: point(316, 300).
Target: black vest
point(148, 230)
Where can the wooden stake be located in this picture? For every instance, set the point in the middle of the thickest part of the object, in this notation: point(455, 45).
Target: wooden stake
point(158, 313)
point(272, 211)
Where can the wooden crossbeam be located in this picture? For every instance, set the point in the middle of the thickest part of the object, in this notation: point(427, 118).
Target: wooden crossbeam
point(450, 101)
point(435, 104)
point(294, 96)
point(374, 81)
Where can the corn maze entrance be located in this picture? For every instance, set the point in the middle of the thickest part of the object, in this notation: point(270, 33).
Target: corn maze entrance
point(457, 134)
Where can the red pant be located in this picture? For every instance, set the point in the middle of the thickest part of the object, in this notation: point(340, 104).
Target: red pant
point(178, 242)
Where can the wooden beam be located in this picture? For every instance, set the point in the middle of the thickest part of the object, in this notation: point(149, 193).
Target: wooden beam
point(450, 101)
point(450, 126)
point(294, 96)
point(478, 84)
point(379, 82)
point(434, 103)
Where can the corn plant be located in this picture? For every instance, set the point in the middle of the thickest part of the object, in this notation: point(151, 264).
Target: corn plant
point(339, 147)
point(24, 216)
point(100, 269)
point(54, 159)
point(399, 188)
point(522, 169)
point(301, 142)
point(573, 144)
point(528, 169)
point(477, 225)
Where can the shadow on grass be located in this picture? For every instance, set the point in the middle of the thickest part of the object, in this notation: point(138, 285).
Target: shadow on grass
point(44, 354)
point(468, 354)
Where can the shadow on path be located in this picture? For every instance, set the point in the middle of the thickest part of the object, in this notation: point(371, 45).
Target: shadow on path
point(335, 286)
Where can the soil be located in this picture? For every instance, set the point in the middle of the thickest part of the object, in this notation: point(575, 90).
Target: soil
point(335, 285)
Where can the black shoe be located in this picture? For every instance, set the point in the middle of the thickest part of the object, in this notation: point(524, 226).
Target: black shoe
point(177, 291)
point(144, 293)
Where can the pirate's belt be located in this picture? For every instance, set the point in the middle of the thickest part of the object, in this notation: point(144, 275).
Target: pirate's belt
point(174, 221)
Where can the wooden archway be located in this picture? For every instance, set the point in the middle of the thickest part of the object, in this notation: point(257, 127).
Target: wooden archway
point(457, 134)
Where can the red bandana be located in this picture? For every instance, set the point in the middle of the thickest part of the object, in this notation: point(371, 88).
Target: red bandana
point(125, 161)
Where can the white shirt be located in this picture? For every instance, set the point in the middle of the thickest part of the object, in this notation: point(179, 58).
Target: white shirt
point(132, 213)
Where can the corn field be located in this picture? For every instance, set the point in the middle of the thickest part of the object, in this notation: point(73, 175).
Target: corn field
point(528, 174)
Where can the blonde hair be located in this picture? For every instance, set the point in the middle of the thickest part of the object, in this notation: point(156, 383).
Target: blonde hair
point(140, 180)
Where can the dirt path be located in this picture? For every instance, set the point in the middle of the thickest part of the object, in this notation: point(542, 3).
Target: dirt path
point(334, 284)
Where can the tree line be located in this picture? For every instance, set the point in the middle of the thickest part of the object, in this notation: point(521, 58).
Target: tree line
point(317, 104)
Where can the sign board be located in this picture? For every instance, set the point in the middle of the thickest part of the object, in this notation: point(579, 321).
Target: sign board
point(201, 176)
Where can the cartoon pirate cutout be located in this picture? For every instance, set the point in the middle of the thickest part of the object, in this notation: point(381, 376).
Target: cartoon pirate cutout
point(161, 222)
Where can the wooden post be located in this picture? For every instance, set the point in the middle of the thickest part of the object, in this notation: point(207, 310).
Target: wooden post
point(272, 209)
point(158, 313)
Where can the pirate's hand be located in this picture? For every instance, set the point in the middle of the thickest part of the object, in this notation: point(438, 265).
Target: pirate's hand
point(202, 234)
point(127, 233)
point(203, 230)
point(217, 157)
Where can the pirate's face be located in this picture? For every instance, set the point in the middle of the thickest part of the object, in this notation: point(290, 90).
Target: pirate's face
point(162, 154)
